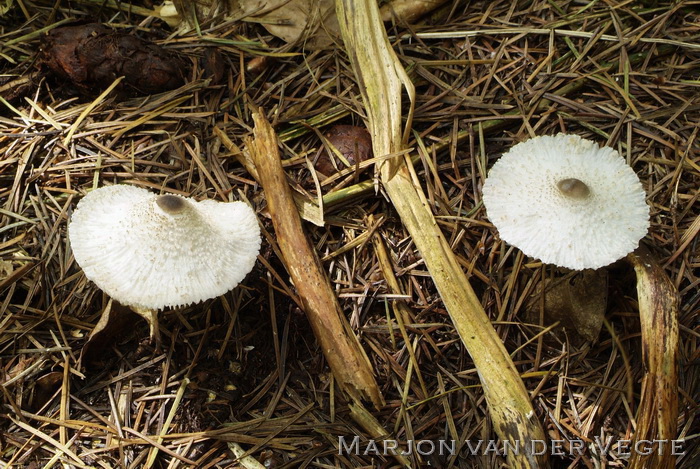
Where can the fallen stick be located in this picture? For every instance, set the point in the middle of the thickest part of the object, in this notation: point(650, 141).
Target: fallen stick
point(346, 358)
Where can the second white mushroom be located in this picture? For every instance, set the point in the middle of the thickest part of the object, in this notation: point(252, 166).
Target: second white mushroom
point(567, 201)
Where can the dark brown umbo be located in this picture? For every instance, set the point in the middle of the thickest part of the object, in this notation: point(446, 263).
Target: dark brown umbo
point(92, 56)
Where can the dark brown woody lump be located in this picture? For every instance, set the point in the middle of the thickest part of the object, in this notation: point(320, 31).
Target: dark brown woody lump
point(92, 56)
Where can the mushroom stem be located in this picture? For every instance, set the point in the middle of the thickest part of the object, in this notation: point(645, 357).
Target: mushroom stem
point(151, 317)
point(574, 188)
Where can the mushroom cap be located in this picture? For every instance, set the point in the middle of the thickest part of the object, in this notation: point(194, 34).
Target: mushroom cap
point(598, 223)
point(151, 251)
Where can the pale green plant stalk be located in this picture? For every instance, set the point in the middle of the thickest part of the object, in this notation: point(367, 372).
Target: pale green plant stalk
point(381, 79)
point(657, 414)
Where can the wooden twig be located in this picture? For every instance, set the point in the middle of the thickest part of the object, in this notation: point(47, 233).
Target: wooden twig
point(347, 359)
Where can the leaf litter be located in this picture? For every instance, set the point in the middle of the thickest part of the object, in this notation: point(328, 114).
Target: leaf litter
point(246, 367)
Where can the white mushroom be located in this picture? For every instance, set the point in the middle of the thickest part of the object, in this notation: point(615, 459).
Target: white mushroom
point(566, 201)
point(153, 251)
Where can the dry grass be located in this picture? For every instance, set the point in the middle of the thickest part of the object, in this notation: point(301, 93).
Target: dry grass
point(245, 368)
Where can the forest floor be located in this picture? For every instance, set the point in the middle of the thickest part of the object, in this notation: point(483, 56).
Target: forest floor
point(244, 372)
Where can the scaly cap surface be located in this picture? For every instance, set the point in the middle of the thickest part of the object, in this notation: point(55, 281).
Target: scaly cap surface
point(567, 201)
point(152, 251)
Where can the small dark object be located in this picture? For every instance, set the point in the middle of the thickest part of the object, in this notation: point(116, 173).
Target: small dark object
point(257, 65)
point(93, 56)
point(44, 388)
point(214, 66)
point(353, 142)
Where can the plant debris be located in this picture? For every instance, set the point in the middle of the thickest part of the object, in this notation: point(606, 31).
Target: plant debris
point(310, 23)
point(91, 56)
point(348, 361)
point(116, 323)
point(577, 301)
point(245, 369)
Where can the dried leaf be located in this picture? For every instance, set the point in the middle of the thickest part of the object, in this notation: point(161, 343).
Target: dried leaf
point(577, 301)
point(6, 269)
point(44, 388)
point(311, 21)
point(114, 324)
point(194, 13)
point(409, 10)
